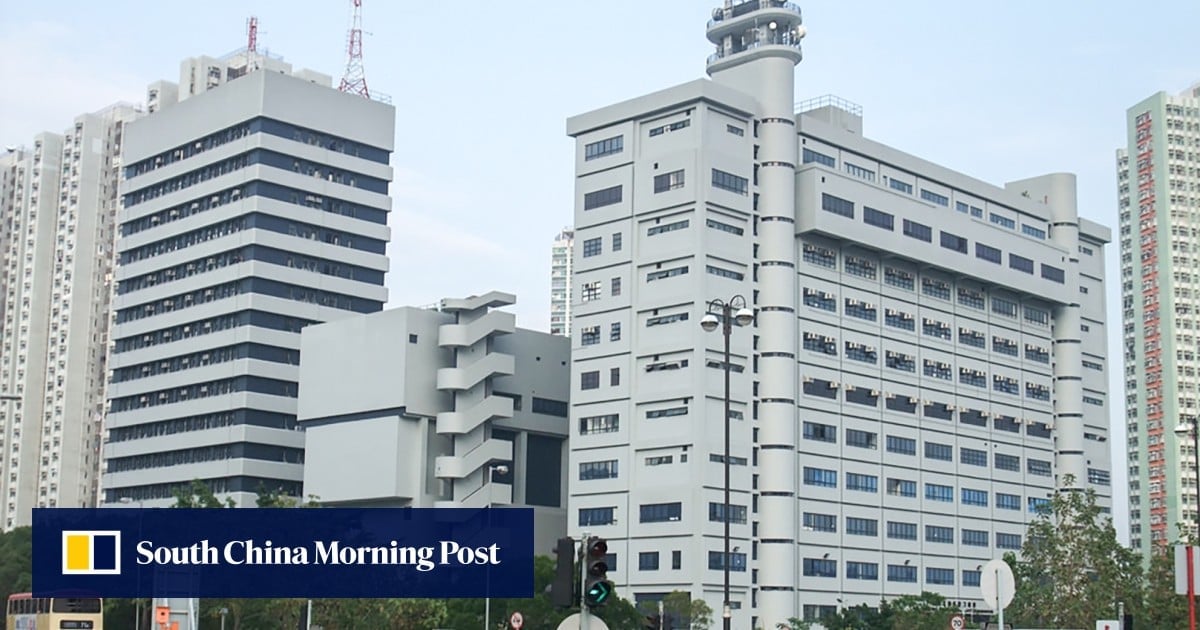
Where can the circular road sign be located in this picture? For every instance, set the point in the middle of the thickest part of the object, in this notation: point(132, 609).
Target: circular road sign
point(957, 622)
point(516, 621)
point(997, 584)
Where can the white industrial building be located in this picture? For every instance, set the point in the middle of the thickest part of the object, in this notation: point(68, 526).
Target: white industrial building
point(926, 366)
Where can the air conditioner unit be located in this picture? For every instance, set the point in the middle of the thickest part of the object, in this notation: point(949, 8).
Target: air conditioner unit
point(808, 379)
point(849, 388)
point(912, 400)
point(875, 392)
point(834, 384)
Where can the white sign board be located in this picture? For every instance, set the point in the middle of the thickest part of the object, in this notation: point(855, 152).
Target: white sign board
point(516, 621)
point(957, 622)
point(997, 585)
point(1107, 625)
point(572, 623)
point(1181, 572)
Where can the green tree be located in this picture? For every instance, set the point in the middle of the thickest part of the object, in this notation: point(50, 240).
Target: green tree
point(693, 614)
point(199, 495)
point(1162, 608)
point(927, 611)
point(16, 563)
point(1072, 570)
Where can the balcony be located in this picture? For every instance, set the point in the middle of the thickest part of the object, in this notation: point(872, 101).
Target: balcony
point(784, 40)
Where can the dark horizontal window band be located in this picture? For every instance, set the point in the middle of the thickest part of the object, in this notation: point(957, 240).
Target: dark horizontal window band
point(784, 164)
point(776, 217)
point(228, 321)
point(777, 401)
point(776, 447)
point(784, 121)
point(250, 253)
point(254, 220)
point(202, 454)
point(212, 356)
point(241, 161)
point(778, 263)
point(246, 128)
point(204, 422)
point(219, 485)
point(221, 387)
point(776, 309)
point(246, 286)
point(1070, 452)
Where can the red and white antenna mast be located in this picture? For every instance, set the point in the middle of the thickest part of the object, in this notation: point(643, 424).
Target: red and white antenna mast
point(354, 80)
point(252, 42)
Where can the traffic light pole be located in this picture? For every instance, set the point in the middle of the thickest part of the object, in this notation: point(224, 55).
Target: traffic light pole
point(585, 613)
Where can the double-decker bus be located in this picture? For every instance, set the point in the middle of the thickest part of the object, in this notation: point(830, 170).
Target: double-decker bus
point(26, 612)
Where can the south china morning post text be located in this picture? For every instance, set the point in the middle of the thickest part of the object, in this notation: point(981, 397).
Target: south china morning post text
point(318, 553)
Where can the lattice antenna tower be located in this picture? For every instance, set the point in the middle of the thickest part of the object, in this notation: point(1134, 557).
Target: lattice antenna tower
point(252, 42)
point(354, 80)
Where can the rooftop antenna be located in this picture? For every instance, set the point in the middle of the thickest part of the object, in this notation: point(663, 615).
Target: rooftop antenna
point(252, 42)
point(354, 80)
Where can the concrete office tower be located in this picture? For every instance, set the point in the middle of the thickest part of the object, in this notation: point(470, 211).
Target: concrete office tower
point(1158, 176)
point(58, 205)
point(928, 355)
point(561, 258)
point(252, 209)
point(446, 407)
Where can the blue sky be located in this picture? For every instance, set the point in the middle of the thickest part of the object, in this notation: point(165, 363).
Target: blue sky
point(997, 90)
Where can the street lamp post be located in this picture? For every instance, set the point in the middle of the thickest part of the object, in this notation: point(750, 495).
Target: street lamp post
point(725, 315)
point(487, 602)
point(1192, 425)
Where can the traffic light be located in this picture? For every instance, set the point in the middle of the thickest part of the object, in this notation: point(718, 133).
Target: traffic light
point(562, 589)
point(596, 588)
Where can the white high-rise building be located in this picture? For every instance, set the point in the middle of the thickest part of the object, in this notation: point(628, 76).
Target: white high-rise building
point(1158, 175)
point(561, 255)
point(926, 366)
point(253, 207)
point(58, 204)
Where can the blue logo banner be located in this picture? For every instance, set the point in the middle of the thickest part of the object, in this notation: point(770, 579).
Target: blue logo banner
point(292, 552)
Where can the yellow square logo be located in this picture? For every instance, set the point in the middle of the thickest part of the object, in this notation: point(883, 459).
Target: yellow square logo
point(91, 553)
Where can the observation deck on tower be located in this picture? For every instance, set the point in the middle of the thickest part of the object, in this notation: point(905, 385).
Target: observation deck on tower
point(754, 28)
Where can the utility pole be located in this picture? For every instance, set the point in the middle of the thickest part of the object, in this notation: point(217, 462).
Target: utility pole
point(585, 613)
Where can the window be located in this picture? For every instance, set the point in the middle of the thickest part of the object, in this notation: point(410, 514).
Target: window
point(988, 253)
point(880, 219)
point(971, 577)
point(669, 412)
point(918, 231)
point(860, 172)
point(1053, 274)
point(901, 487)
point(901, 573)
point(724, 227)
point(589, 335)
point(944, 452)
point(903, 187)
point(615, 287)
point(675, 126)
point(899, 319)
point(590, 291)
point(601, 198)
point(1001, 345)
point(820, 522)
point(972, 457)
point(901, 445)
point(938, 534)
point(1008, 462)
point(737, 561)
point(591, 425)
point(974, 338)
point(614, 332)
point(616, 241)
point(1038, 505)
point(819, 567)
point(1037, 354)
point(666, 319)
point(1037, 467)
point(1008, 541)
point(648, 561)
point(820, 477)
point(972, 298)
point(596, 516)
point(660, 512)
point(938, 492)
point(614, 376)
point(901, 531)
point(667, 227)
point(902, 362)
point(716, 512)
point(1008, 501)
point(837, 205)
point(735, 130)
point(862, 526)
point(819, 158)
point(660, 460)
point(819, 256)
point(899, 278)
point(954, 242)
point(861, 267)
point(1001, 306)
point(1099, 477)
point(862, 483)
point(730, 182)
point(861, 310)
point(974, 497)
point(598, 470)
point(1020, 263)
point(820, 300)
point(861, 439)
point(935, 288)
point(931, 196)
point(608, 146)
point(1035, 232)
point(1037, 316)
point(676, 559)
point(724, 273)
point(939, 576)
point(820, 432)
point(668, 181)
point(862, 570)
point(589, 380)
point(666, 273)
point(1002, 221)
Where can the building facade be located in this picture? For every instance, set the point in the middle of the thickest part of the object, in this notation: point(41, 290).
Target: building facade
point(1158, 175)
point(445, 407)
point(927, 363)
point(58, 205)
point(254, 207)
point(562, 255)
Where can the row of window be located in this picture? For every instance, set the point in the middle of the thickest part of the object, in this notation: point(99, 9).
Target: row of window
point(821, 388)
point(246, 286)
point(827, 345)
point(238, 417)
point(827, 478)
point(228, 321)
point(821, 432)
point(665, 182)
point(220, 452)
point(857, 526)
point(819, 567)
point(219, 485)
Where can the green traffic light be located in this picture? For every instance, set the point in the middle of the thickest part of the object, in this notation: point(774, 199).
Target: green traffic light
point(598, 593)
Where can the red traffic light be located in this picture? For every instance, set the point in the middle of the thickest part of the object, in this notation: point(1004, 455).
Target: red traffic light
point(598, 548)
